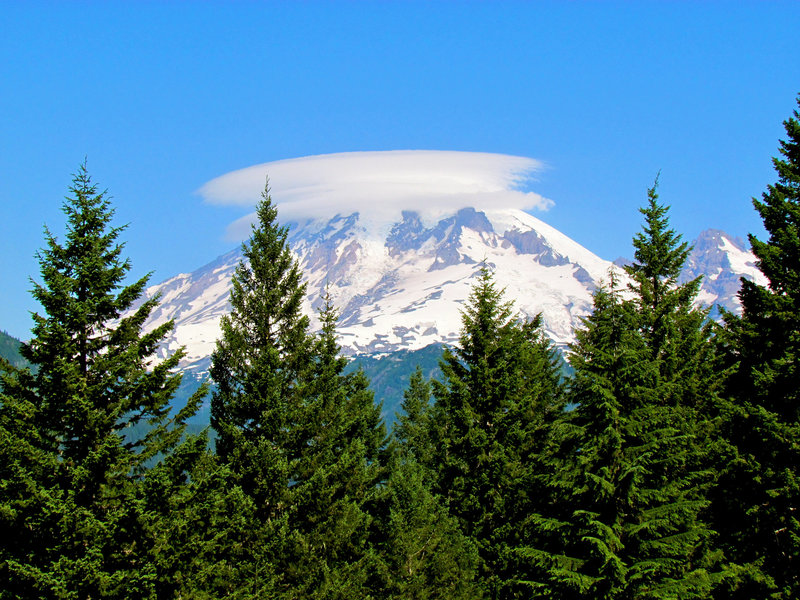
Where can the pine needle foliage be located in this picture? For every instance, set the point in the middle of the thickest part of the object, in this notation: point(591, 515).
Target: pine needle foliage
point(263, 348)
point(341, 454)
point(676, 332)
point(303, 440)
point(424, 554)
point(758, 504)
point(413, 427)
point(201, 527)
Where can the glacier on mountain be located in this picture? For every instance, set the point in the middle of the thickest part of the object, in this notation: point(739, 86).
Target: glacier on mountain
point(722, 260)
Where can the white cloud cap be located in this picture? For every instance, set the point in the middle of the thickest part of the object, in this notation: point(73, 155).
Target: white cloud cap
point(380, 185)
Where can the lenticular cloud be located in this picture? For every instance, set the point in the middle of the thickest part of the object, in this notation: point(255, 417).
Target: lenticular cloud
point(381, 184)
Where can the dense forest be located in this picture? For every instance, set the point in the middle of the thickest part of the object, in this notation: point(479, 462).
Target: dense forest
point(665, 465)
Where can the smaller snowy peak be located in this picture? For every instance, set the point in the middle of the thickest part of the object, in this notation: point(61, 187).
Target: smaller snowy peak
point(330, 246)
point(623, 262)
point(470, 218)
point(722, 260)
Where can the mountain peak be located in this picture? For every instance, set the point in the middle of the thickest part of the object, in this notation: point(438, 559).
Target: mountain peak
point(710, 239)
point(722, 260)
point(401, 285)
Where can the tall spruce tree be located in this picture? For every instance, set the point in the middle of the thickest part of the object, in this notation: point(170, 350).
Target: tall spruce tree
point(422, 552)
point(758, 500)
point(303, 440)
point(264, 347)
point(676, 332)
point(201, 527)
point(412, 429)
point(499, 385)
point(70, 523)
point(628, 492)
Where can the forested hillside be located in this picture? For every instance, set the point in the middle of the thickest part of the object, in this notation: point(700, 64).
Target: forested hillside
point(663, 466)
point(9, 350)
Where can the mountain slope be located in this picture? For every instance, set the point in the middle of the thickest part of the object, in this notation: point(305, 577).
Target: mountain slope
point(722, 260)
point(9, 350)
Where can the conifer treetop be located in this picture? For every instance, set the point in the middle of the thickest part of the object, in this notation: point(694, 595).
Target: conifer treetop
point(264, 343)
point(85, 354)
point(760, 497)
point(80, 278)
point(768, 332)
point(779, 208)
point(659, 252)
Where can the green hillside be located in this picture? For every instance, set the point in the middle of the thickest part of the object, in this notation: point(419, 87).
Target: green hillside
point(9, 349)
point(389, 374)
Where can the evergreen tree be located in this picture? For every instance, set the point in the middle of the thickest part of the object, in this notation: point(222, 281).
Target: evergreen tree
point(303, 440)
point(201, 525)
point(424, 554)
point(675, 331)
point(413, 428)
point(630, 480)
point(625, 517)
point(69, 521)
point(263, 349)
point(758, 503)
point(339, 445)
point(499, 385)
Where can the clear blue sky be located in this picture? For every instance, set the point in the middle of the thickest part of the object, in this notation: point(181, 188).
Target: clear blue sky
point(161, 97)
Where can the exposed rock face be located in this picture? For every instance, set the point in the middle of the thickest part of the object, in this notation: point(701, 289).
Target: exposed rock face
point(531, 242)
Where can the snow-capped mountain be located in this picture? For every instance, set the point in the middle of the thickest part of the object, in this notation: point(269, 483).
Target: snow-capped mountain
point(400, 285)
